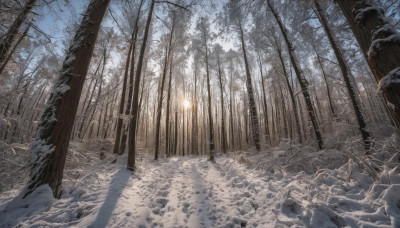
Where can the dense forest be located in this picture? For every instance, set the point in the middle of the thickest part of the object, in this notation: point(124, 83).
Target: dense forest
point(303, 94)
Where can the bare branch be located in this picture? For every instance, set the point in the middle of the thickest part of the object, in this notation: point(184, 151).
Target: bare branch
point(122, 31)
point(174, 4)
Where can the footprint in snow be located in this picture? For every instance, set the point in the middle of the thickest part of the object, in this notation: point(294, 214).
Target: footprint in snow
point(163, 193)
point(162, 202)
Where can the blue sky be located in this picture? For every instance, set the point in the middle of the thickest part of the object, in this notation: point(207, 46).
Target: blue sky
point(54, 20)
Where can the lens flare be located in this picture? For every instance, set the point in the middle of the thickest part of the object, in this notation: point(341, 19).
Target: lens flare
point(186, 104)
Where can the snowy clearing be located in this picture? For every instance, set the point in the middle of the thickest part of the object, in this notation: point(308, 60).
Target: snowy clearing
point(193, 192)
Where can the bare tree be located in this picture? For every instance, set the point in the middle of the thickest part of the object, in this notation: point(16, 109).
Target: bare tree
point(135, 100)
point(203, 27)
point(218, 52)
point(161, 91)
point(346, 76)
point(11, 34)
point(236, 17)
point(300, 77)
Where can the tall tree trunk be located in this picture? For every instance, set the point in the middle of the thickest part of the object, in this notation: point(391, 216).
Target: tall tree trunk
point(278, 115)
point(176, 131)
point(267, 134)
point(223, 134)
point(231, 108)
point(252, 105)
point(210, 117)
point(167, 130)
point(346, 76)
point(49, 148)
point(304, 121)
point(295, 110)
point(246, 118)
point(131, 78)
point(291, 93)
point(380, 44)
point(188, 134)
point(161, 89)
point(106, 106)
point(273, 119)
point(317, 107)
point(108, 121)
point(239, 127)
point(183, 118)
point(328, 90)
point(141, 97)
point(116, 149)
point(135, 100)
point(194, 115)
point(300, 77)
point(9, 37)
point(147, 120)
point(99, 120)
point(284, 115)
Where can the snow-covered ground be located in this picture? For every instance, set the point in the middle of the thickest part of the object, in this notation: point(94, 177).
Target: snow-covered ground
point(193, 192)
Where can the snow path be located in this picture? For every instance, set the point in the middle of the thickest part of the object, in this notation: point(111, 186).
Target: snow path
point(193, 192)
point(179, 192)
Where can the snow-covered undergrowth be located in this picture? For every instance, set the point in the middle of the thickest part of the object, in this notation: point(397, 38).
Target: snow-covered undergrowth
point(81, 158)
point(13, 166)
point(288, 186)
point(345, 188)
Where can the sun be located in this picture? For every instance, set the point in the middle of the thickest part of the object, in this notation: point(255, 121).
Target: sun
point(186, 104)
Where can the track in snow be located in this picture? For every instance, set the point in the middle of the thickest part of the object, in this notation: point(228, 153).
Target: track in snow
point(193, 192)
point(178, 192)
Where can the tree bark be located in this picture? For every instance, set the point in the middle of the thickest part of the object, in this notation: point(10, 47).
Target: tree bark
point(49, 148)
point(380, 44)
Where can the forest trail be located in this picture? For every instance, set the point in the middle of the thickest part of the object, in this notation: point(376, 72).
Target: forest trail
point(194, 192)
point(179, 192)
